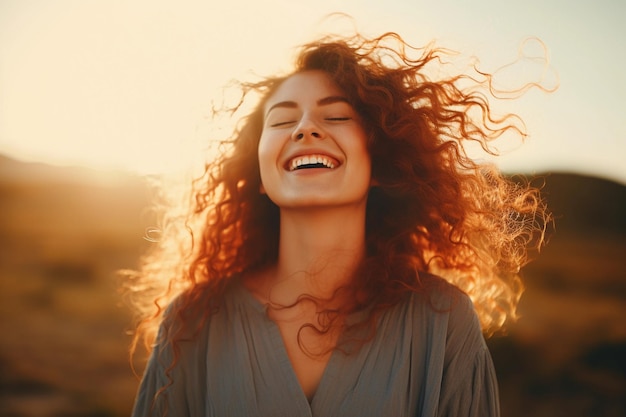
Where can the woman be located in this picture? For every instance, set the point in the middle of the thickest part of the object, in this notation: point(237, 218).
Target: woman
point(308, 281)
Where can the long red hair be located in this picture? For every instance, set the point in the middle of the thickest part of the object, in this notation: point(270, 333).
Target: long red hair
point(433, 209)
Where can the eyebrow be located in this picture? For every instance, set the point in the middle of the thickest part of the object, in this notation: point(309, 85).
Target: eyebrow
point(321, 102)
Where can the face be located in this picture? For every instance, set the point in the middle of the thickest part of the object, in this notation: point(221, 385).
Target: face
point(313, 149)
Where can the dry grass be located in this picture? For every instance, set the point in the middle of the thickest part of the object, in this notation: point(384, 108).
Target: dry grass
point(64, 344)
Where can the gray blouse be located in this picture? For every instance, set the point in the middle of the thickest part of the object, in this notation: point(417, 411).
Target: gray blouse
point(428, 358)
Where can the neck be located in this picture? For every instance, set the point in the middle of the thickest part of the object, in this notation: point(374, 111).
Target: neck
point(318, 252)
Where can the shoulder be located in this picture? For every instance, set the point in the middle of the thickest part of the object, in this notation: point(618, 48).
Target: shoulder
point(438, 313)
point(443, 296)
point(187, 326)
point(459, 324)
point(189, 317)
point(449, 309)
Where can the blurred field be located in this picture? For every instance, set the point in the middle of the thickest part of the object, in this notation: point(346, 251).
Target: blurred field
point(64, 342)
point(567, 354)
point(63, 234)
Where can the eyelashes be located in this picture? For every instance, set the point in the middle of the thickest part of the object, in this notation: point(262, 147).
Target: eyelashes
point(291, 122)
point(338, 119)
point(280, 124)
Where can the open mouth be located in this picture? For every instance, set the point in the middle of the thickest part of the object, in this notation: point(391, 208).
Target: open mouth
point(312, 161)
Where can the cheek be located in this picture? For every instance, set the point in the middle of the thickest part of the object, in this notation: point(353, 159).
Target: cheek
point(268, 146)
point(267, 154)
point(264, 155)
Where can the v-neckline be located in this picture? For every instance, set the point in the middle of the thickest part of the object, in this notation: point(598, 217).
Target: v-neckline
point(282, 357)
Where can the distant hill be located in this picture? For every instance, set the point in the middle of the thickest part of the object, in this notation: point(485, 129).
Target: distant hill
point(13, 171)
point(38, 198)
point(583, 204)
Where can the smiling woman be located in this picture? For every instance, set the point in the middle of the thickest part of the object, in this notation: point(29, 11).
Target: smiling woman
point(341, 256)
point(308, 119)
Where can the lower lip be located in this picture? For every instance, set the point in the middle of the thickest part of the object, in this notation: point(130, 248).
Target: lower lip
point(311, 171)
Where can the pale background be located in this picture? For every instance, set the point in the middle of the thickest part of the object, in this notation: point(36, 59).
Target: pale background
point(128, 84)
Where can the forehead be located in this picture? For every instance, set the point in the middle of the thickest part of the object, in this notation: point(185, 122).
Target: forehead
point(304, 87)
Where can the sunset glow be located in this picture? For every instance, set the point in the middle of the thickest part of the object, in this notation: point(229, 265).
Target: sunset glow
point(129, 85)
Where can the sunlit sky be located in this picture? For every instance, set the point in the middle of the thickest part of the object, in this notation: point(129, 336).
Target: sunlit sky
point(128, 84)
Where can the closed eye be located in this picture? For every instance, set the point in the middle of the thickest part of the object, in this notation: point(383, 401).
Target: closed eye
point(338, 119)
point(279, 124)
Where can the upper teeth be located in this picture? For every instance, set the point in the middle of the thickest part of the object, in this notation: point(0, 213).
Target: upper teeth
point(310, 159)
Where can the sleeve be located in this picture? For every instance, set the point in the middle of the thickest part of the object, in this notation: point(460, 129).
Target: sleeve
point(469, 384)
point(162, 389)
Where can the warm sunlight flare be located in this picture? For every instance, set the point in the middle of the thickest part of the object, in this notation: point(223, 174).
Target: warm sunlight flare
point(131, 85)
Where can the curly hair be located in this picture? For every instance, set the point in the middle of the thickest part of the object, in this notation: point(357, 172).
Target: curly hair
point(433, 208)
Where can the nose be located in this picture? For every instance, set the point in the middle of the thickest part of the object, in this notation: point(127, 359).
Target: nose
point(307, 128)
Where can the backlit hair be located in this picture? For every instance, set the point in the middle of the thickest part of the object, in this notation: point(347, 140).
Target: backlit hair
point(433, 208)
